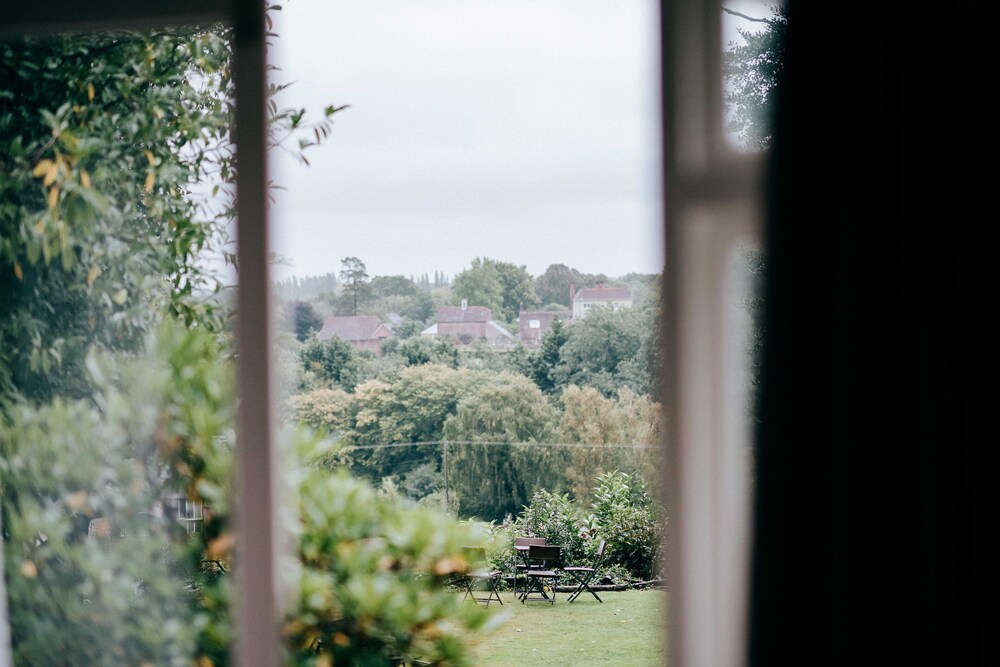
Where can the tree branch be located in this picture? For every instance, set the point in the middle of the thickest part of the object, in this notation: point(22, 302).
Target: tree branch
point(744, 16)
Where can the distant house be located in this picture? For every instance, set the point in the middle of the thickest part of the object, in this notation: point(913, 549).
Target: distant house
point(363, 332)
point(534, 324)
point(465, 324)
point(592, 297)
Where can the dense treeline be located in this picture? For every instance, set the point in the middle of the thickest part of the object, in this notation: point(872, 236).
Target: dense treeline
point(411, 304)
point(393, 424)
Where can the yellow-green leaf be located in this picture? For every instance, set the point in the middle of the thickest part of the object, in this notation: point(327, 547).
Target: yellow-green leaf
point(150, 178)
point(42, 167)
point(149, 156)
point(85, 178)
point(53, 197)
point(29, 570)
point(18, 272)
point(92, 275)
point(90, 92)
point(120, 296)
point(50, 175)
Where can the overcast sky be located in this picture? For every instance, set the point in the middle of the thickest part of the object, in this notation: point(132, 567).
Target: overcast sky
point(525, 131)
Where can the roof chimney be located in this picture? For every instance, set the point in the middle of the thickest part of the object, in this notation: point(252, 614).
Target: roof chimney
point(572, 293)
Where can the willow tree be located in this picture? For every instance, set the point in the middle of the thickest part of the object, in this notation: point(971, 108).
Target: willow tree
point(499, 432)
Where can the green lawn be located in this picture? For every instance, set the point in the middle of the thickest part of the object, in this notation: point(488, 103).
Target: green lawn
point(627, 629)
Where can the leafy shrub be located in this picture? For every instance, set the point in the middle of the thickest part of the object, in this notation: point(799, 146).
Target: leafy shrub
point(120, 594)
point(631, 522)
point(623, 513)
point(372, 578)
point(367, 579)
point(554, 517)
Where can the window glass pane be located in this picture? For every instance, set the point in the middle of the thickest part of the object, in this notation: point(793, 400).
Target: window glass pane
point(116, 389)
point(469, 271)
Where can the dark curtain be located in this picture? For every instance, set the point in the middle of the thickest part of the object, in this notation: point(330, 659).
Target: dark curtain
point(874, 496)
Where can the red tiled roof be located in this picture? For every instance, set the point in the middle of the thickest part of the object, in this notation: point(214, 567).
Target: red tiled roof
point(603, 294)
point(470, 314)
point(544, 318)
point(359, 327)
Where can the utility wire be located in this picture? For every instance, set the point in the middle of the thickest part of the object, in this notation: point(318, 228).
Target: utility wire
point(567, 445)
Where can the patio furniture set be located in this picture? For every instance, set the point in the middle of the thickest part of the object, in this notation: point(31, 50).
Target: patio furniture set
point(538, 564)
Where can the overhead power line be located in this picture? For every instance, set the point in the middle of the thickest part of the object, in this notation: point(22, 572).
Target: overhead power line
point(568, 445)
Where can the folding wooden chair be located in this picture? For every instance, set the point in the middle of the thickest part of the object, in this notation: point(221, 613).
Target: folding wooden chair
point(479, 571)
point(543, 566)
point(584, 573)
point(521, 545)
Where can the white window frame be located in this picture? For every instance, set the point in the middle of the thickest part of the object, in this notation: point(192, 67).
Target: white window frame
point(712, 199)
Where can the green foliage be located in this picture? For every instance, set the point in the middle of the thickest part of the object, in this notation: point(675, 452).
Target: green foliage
point(369, 578)
point(609, 349)
point(752, 72)
point(322, 409)
point(500, 286)
point(105, 140)
point(356, 287)
point(308, 287)
point(479, 285)
point(621, 511)
point(557, 519)
point(372, 588)
point(302, 319)
point(386, 286)
point(631, 522)
point(412, 408)
point(491, 480)
point(421, 350)
point(334, 362)
point(116, 181)
point(590, 418)
point(552, 287)
point(546, 361)
point(158, 426)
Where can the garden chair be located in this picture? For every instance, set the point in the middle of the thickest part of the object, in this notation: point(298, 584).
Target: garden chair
point(521, 545)
point(543, 566)
point(584, 573)
point(480, 572)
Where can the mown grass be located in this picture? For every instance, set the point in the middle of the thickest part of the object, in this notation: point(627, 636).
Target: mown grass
point(627, 629)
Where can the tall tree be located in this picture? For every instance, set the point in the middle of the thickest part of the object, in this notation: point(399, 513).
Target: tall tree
point(334, 362)
point(302, 319)
point(610, 349)
point(500, 286)
point(354, 276)
point(553, 286)
point(493, 478)
point(546, 360)
point(480, 285)
point(518, 289)
point(384, 286)
point(752, 71)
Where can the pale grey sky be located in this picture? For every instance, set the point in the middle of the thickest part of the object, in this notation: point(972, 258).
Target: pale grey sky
point(525, 131)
